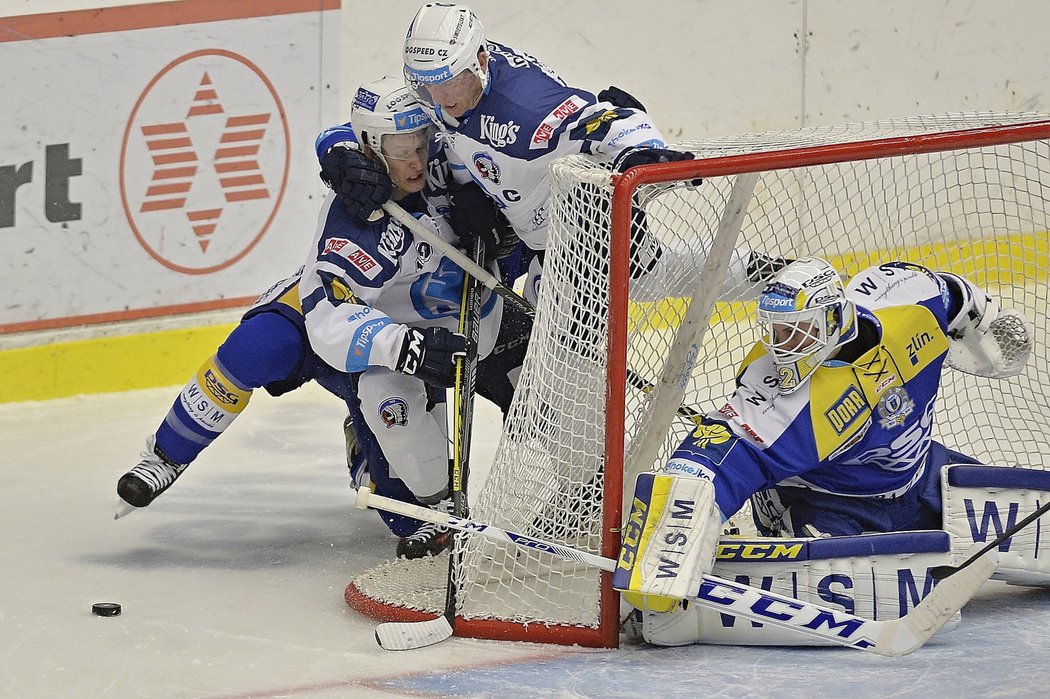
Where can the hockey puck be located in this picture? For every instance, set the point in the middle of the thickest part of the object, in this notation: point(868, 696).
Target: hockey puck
point(105, 609)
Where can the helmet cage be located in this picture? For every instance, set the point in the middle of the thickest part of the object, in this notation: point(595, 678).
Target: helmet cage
point(804, 315)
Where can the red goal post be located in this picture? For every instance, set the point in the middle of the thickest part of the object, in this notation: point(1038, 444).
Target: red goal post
point(612, 358)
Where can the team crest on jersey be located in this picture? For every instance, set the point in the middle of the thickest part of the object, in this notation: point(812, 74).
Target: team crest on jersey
point(487, 167)
point(394, 412)
point(894, 408)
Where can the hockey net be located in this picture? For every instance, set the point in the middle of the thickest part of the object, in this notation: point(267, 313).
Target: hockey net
point(969, 193)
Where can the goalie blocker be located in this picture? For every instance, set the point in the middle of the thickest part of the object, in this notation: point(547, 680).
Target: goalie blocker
point(877, 576)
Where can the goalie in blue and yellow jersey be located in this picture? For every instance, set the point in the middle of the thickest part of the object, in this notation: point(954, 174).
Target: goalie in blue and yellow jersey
point(831, 421)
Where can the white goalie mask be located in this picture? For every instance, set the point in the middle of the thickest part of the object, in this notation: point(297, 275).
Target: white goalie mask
point(442, 47)
point(384, 108)
point(804, 315)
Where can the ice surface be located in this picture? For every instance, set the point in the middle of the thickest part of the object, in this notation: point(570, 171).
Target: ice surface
point(232, 585)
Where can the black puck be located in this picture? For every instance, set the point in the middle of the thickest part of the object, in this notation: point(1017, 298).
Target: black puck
point(105, 609)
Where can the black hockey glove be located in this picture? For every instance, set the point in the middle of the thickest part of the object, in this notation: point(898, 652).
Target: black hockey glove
point(473, 214)
point(362, 184)
point(619, 98)
point(430, 355)
point(640, 155)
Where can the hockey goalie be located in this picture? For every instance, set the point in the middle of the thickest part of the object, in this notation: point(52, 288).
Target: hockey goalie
point(829, 434)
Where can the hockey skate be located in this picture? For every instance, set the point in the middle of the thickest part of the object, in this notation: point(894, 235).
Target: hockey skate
point(154, 474)
point(429, 540)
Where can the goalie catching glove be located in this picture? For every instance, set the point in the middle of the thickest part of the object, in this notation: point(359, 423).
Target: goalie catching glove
point(984, 340)
point(431, 355)
point(669, 541)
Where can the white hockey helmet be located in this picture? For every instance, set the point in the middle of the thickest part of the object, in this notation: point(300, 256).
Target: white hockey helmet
point(442, 42)
point(804, 315)
point(384, 107)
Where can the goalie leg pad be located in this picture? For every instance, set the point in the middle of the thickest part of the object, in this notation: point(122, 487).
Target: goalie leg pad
point(669, 539)
point(876, 576)
point(981, 502)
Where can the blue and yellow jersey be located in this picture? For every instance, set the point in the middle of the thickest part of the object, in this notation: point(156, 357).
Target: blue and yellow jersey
point(860, 428)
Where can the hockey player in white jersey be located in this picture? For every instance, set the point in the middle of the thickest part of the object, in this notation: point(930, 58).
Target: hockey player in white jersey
point(382, 304)
point(503, 117)
point(270, 348)
point(832, 413)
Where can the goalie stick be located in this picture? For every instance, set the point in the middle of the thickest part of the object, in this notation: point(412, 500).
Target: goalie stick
point(489, 281)
point(889, 638)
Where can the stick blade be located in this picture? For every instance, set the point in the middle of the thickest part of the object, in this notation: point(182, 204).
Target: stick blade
point(941, 605)
point(409, 635)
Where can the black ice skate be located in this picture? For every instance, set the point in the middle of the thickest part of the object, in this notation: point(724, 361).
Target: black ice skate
point(154, 474)
point(429, 540)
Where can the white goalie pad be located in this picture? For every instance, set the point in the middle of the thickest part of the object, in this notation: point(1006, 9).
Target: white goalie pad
point(1000, 352)
point(877, 576)
point(669, 539)
point(981, 502)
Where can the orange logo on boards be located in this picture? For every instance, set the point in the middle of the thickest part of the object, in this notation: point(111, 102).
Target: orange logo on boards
point(204, 162)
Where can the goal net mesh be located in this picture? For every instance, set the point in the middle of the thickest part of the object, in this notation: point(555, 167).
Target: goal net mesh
point(976, 208)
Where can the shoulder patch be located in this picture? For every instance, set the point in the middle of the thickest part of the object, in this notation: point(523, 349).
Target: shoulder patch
point(336, 289)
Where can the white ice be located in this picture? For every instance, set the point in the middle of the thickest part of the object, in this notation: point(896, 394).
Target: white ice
point(232, 585)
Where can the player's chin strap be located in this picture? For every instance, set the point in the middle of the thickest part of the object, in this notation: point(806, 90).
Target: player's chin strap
point(891, 638)
point(489, 281)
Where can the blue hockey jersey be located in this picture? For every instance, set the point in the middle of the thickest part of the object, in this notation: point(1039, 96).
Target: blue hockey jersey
point(861, 428)
point(526, 119)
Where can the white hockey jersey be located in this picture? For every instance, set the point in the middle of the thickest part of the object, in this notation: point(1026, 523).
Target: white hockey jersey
point(366, 283)
point(525, 120)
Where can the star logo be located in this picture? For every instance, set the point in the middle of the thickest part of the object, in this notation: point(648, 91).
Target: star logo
point(204, 162)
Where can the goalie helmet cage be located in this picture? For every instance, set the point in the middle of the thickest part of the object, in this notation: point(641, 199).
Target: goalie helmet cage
point(966, 193)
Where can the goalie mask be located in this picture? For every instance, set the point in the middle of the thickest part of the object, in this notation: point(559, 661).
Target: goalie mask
point(384, 108)
point(804, 315)
point(441, 48)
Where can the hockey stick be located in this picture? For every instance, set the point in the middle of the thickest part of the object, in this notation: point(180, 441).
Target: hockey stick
point(942, 572)
point(411, 635)
point(890, 638)
point(499, 288)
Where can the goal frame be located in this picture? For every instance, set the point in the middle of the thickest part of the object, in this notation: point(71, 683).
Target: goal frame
point(624, 188)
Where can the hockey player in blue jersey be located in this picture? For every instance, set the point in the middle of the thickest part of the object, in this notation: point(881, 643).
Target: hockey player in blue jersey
point(832, 415)
point(271, 347)
point(502, 118)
